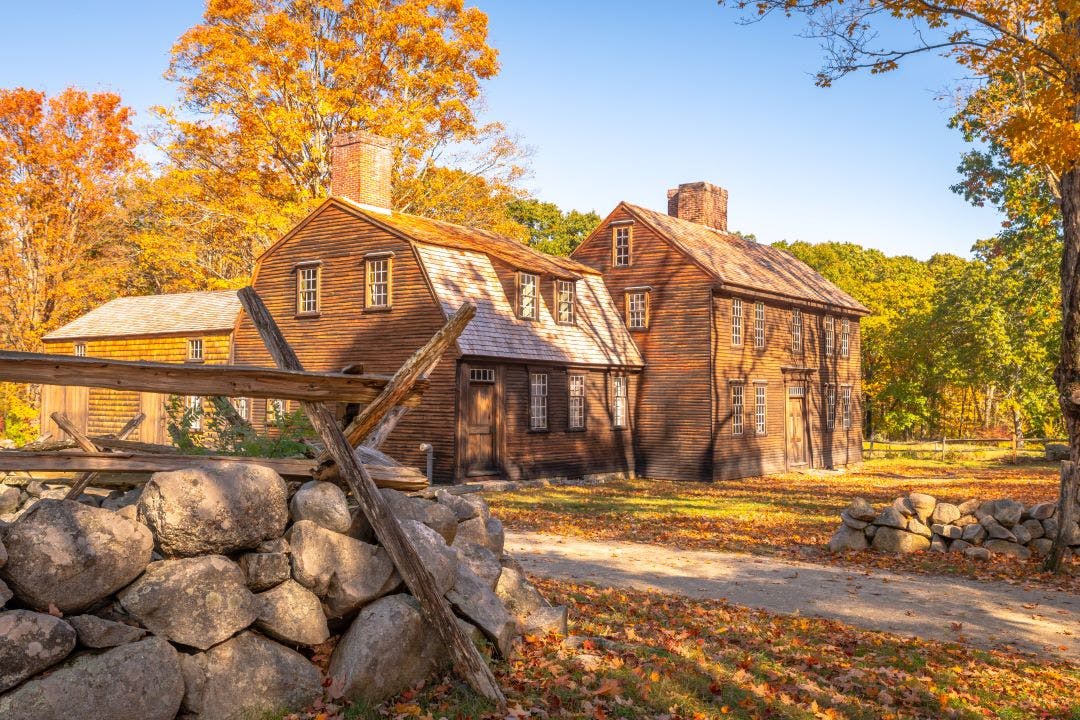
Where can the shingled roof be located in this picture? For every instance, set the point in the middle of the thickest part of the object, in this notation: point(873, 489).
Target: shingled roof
point(742, 263)
point(155, 315)
point(598, 336)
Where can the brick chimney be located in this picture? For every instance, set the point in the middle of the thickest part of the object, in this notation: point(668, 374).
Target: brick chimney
point(360, 167)
point(700, 202)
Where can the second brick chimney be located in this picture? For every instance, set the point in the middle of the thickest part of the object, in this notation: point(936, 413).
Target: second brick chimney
point(699, 202)
point(360, 169)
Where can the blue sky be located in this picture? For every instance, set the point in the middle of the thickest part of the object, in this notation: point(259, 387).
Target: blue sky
point(621, 100)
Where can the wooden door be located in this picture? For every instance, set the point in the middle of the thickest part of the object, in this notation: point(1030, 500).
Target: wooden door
point(796, 428)
point(480, 430)
point(152, 430)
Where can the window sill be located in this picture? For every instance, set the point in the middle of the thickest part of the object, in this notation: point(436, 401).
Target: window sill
point(195, 361)
point(575, 429)
point(637, 329)
point(379, 309)
point(307, 315)
point(539, 431)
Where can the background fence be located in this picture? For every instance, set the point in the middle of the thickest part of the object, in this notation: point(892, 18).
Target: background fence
point(946, 448)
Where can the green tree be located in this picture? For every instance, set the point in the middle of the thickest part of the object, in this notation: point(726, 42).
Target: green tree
point(550, 229)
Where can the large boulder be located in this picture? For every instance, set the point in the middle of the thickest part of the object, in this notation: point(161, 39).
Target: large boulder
point(974, 533)
point(481, 561)
point(192, 601)
point(29, 643)
point(322, 503)
point(860, 509)
point(479, 604)
point(214, 510)
point(845, 538)
point(345, 572)
point(487, 532)
point(922, 504)
point(1034, 528)
point(463, 509)
point(9, 499)
point(891, 517)
point(889, 539)
point(1043, 510)
point(1008, 512)
point(248, 677)
point(70, 555)
point(440, 560)
point(439, 518)
point(945, 514)
point(292, 614)
point(137, 680)
point(1057, 452)
point(389, 647)
point(1004, 547)
point(531, 611)
point(96, 632)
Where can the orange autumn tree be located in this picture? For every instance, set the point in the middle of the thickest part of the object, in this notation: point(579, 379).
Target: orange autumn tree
point(64, 161)
point(265, 85)
point(1023, 58)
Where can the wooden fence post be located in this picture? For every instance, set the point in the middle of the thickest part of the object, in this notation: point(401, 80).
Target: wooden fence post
point(943, 448)
point(1014, 448)
point(466, 658)
point(873, 436)
point(1066, 517)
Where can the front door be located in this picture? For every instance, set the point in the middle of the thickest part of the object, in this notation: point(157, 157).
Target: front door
point(796, 426)
point(480, 424)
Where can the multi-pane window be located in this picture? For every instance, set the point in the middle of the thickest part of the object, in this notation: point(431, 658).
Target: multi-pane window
point(737, 408)
point(796, 330)
point(575, 408)
point(759, 325)
point(637, 309)
point(377, 282)
point(484, 375)
point(620, 241)
point(193, 405)
point(830, 335)
point(242, 407)
point(307, 290)
point(195, 349)
point(80, 349)
point(538, 401)
point(527, 306)
point(618, 396)
point(275, 410)
point(830, 406)
point(847, 406)
point(845, 337)
point(760, 408)
point(736, 321)
point(564, 290)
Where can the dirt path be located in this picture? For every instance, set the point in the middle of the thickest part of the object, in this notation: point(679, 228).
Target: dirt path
point(1046, 622)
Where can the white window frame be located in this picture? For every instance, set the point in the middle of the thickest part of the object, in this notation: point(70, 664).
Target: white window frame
point(621, 239)
point(307, 290)
point(738, 406)
point(736, 322)
point(377, 282)
point(242, 406)
point(528, 302)
point(830, 407)
point(575, 401)
point(830, 335)
point(565, 299)
point(618, 399)
point(193, 404)
point(275, 410)
point(759, 325)
point(637, 309)
point(796, 330)
point(845, 337)
point(846, 406)
point(195, 350)
point(761, 408)
point(79, 349)
point(538, 401)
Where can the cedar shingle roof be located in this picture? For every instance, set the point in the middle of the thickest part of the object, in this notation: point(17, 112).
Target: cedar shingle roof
point(744, 263)
point(598, 336)
point(154, 315)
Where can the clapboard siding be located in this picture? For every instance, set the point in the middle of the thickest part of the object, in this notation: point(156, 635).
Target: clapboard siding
point(673, 408)
point(345, 334)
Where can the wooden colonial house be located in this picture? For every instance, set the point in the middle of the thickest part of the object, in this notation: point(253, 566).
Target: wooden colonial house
point(665, 347)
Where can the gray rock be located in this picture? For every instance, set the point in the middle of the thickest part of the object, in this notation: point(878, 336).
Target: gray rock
point(902, 506)
point(496, 535)
point(277, 545)
point(479, 604)
point(1034, 528)
point(439, 518)
point(389, 647)
point(136, 680)
point(214, 510)
point(29, 643)
point(481, 561)
point(9, 499)
point(1043, 510)
point(532, 613)
point(1056, 452)
point(1041, 546)
point(977, 553)
point(345, 572)
point(965, 520)
point(939, 544)
point(196, 601)
point(96, 632)
point(5, 593)
point(117, 499)
point(947, 531)
point(71, 555)
point(890, 539)
point(915, 526)
point(959, 546)
point(997, 531)
point(1050, 527)
point(845, 538)
point(853, 523)
point(974, 533)
point(870, 531)
point(546, 620)
point(1008, 512)
point(477, 500)
point(860, 509)
point(292, 614)
point(968, 507)
point(891, 517)
point(1023, 537)
point(360, 528)
point(923, 505)
point(945, 513)
point(463, 509)
point(322, 503)
point(264, 570)
point(1004, 547)
point(440, 560)
point(248, 676)
point(3, 554)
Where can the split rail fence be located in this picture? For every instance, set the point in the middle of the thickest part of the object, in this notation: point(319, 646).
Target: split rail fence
point(972, 447)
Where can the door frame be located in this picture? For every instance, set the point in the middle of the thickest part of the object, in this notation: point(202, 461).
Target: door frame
point(461, 472)
point(799, 377)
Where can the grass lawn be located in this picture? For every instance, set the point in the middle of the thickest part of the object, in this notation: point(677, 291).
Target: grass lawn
point(659, 656)
point(791, 514)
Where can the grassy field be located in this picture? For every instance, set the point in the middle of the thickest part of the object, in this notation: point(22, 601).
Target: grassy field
point(791, 514)
point(666, 658)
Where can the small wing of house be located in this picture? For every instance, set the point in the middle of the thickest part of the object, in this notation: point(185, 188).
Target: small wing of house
point(179, 313)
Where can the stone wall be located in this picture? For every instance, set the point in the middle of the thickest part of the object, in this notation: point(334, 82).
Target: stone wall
point(207, 594)
point(975, 528)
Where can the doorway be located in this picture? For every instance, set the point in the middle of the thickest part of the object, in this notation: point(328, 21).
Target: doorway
point(480, 418)
point(797, 451)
